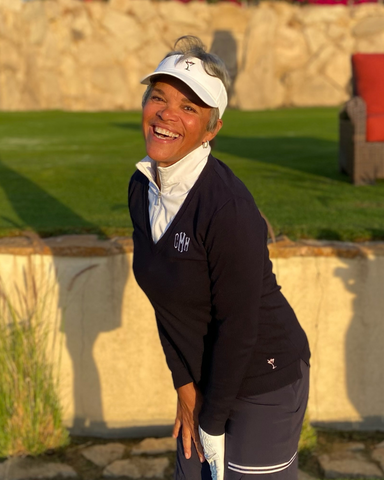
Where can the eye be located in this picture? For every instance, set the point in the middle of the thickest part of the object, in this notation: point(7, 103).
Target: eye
point(156, 98)
point(188, 108)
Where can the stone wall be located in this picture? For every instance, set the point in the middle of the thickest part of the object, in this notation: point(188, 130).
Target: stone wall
point(114, 380)
point(67, 54)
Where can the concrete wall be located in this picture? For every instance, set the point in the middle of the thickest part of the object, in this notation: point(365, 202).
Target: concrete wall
point(113, 376)
point(66, 54)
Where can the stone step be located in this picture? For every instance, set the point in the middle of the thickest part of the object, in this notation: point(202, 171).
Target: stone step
point(103, 455)
point(20, 468)
point(137, 468)
point(154, 446)
point(349, 468)
point(345, 460)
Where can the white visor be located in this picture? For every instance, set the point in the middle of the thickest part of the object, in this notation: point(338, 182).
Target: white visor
point(191, 71)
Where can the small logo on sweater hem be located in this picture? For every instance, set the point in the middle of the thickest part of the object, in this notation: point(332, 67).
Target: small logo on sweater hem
point(181, 242)
point(271, 362)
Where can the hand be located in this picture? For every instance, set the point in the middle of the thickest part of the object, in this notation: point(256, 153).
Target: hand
point(188, 408)
point(214, 449)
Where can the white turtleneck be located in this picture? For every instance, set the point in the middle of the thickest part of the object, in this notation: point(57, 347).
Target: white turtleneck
point(175, 183)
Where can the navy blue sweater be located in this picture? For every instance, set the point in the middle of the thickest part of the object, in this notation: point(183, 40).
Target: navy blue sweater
point(222, 320)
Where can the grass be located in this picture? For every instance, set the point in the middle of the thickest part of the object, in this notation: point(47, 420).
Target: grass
point(30, 411)
point(64, 172)
point(308, 438)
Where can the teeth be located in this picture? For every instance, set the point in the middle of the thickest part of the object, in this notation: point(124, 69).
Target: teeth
point(167, 133)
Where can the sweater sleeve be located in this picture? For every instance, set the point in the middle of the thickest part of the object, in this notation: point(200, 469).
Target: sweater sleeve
point(235, 245)
point(180, 373)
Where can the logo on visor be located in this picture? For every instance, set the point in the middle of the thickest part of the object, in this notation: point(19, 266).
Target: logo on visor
point(189, 64)
point(271, 362)
point(181, 242)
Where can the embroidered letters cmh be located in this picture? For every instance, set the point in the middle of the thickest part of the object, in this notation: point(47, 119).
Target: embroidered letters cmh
point(181, 242)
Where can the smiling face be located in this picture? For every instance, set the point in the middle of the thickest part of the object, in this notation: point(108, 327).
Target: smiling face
point(174, 121)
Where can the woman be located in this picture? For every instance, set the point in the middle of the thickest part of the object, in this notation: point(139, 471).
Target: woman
point(238, 356)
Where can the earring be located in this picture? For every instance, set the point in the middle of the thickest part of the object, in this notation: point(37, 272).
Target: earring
point(205, 144)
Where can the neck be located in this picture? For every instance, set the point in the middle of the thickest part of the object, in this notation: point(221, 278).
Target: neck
point(158, 182)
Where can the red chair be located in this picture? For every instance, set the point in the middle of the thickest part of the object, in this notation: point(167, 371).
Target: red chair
point(361, 121)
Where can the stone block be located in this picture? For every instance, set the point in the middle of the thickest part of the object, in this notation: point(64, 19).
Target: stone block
point(338, 69)
point(316, 37)
point(71, 83)
point(143, 10)
point(50, 91)
point(348, 468)
point(203, 16)
point(378, 456)
point(371, 44)
point(107, 80)
point(33, 14)
point(137, 468)
point(257, 85)
point(178, 14)
point(11, 84)
point(355, 447)
point(12, 5)
point(124, 28)
point(10, 56)
point(312, 14)
point(229, 17)
point(152, 53)
point(347, 43)
point(81, 25)
point(154, 446)
point(258, 90)
point(92, 53)
point(287, 13)
point(96, 11)
point(260, 37)
point(103, 455)
point(366, 10)
point(30, 469)
point(52, 10)
point(291, 50)
point(309, 90)
point(320, 60)
point(335, 31)
point(120, 5)
point(369, 26)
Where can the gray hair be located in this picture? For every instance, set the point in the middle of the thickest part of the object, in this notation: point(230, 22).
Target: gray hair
point(191, 46)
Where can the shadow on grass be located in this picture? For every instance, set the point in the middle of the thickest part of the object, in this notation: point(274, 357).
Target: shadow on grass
point(44, 214)
point(37, 209)
point(372, 234)
point(311, 155)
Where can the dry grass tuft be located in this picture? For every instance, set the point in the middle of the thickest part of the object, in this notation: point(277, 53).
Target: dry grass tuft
point(30, 410)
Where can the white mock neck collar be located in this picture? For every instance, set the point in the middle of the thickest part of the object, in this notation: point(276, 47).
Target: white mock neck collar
point(184, 171)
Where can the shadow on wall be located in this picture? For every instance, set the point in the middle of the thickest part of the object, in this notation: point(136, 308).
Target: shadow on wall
point(36, 207)
point(224, 45)
point(364, 340)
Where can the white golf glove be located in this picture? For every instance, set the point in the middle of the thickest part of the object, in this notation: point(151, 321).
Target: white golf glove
point(214, 448)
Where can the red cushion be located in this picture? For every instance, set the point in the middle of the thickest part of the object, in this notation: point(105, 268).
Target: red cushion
point(368, 70)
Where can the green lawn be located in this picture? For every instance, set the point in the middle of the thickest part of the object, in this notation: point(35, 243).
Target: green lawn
point(63, 172)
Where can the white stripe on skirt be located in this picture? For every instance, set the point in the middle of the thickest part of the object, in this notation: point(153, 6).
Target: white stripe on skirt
point(261, 470)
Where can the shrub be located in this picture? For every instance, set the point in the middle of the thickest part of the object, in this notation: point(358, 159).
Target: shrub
point(30, 411)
